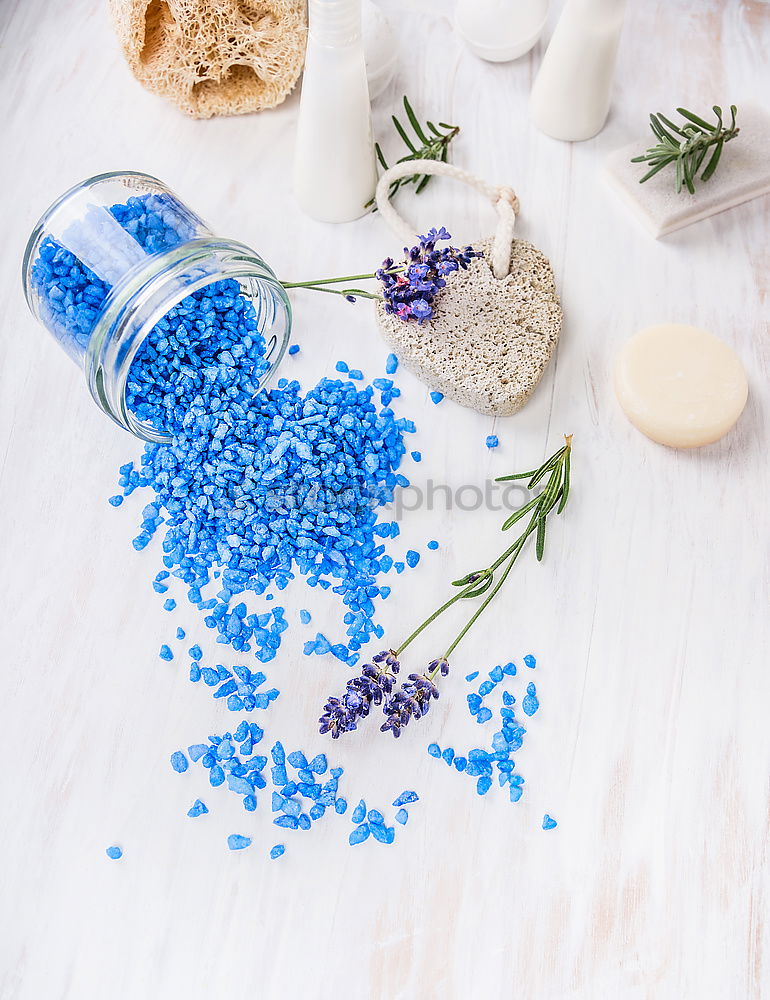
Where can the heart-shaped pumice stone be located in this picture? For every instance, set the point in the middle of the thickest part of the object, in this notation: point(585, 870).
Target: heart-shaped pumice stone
point(489, 340)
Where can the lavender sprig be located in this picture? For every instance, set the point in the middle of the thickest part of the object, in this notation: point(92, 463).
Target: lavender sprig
point(409, 287)
point(371, 686)
point(412, 700)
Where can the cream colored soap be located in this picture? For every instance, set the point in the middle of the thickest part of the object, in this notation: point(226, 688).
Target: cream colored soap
point(680, 385)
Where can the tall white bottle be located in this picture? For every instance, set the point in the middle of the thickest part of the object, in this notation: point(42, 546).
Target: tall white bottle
point(335, 173)
point(572, 91)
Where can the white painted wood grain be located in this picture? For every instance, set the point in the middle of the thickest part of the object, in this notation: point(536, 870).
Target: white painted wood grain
point(649, 616)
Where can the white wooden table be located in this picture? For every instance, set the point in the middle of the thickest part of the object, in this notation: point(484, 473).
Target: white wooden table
point(649, 616)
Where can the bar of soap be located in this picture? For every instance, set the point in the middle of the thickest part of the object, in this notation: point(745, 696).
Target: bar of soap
point(680, 385)
point(743, 173)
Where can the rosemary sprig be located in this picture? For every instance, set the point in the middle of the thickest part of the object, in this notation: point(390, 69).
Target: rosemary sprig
point(686, 146)
point(429, 142)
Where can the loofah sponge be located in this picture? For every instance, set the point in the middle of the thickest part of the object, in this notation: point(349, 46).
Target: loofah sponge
point(214, 57)
point(490, 339)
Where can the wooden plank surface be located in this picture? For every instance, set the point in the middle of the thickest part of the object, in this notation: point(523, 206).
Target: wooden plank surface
point(649, 616)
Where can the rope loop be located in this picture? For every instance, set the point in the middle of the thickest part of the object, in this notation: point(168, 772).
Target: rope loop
point(502, 197)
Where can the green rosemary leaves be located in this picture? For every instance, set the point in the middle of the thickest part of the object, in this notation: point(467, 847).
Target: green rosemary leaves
point(428, 142)
point(687, 146)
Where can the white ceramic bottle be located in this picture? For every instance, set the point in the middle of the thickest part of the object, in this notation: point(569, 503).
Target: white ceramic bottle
point(335, 173)
point(500, 30)
point(572, 91)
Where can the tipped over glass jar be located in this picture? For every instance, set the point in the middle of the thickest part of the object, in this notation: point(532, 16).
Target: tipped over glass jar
point(118, 263)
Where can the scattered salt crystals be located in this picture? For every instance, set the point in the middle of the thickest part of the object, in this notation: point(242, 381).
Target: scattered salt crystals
point(391, 364)
point(412, 558)
point(277, 851)
point(548, 822)
point(433, 544)
point(237, 842)
point(492, 441)
point(179, 762)
point(359, 835)
point(436, 397)
point(165, 652)
point(294, 349)
point(416, 455)
point(304, 616)
point(530, 661)
point(198, 808)
point(114, 853)
point(402, 816)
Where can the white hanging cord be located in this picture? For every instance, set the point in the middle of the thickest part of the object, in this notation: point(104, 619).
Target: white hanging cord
point(503, 198)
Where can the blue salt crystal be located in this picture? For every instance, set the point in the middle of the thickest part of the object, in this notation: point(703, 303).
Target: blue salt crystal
point(472, 677)
point(318, 764)
point(114, 853)
point(250, 803)
point(116, 501)
point(496, 674)
point(433, 544)
point(515, 792)
point(385, 835)
point(416, 456)
point(359, 835)
point(484, 715)
point(460, 763)
point(196, 751)
point(341, 366)
point(287, 822)
point(237, 842)
point(198, 808)
point(179, 761)
point(434, 749)
point(317, 811)
point(277, 802)
point(483, 784)
point(278, 775)
point(358, 814)
point(448, 755)
point(510, 669)
point(437, 396)
point(180, 633)
point(165, 652)
point(529, 703)
point(485, 688)
point(340, 806)
point(216, 776)
point(355, 373)
point(474, 703)
point(492, 441)
point(294, 349)
point(412, 558)
point(402, 816)
point(277, 753)
point(169, 604)
point(297, 759)
point(277, 851)
point(291, 807)
point(406, 797)
point(391, 364)
point(530, 661)
point(304, 616)
point(508, 699)
point(375, 816)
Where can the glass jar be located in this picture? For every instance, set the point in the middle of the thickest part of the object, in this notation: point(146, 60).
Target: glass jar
point(111, 257)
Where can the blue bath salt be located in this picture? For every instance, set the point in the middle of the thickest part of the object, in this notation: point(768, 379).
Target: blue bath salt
point(180, 633)
point(165, 652)
point(198, 808)
point(510, 669)
point(412, 558)
point(529, 703)
point(492, 441)
point(433, 544)
point(294, 349)
point(304, 616)
point(341, 366)
point(169, 604)
point(359, 835)
point(179, 762)
point(472, 676)
point(436, 397)
point(548, 822)
point(483, 715)
point(237, 842)
point(406, 797)
point(277, 851)
point(434, 749)
point(402, 816)
point(359, 813)
point(391, 364)
point(416, 455)
point(114, 853)
point(117, 500)
point(530, 661)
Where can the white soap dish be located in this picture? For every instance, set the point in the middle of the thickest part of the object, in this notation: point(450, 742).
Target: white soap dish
point(743, 174)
